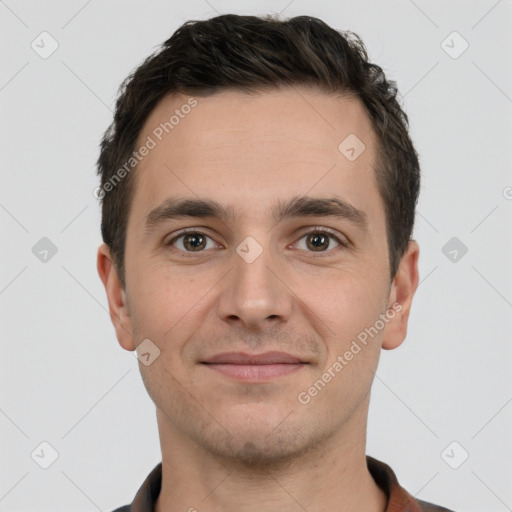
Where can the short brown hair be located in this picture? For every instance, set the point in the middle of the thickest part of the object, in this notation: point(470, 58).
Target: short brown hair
point(249, 54)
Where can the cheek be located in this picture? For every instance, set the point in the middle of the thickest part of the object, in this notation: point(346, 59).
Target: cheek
point(348, 309)
point(346, 303)
point(163, 300)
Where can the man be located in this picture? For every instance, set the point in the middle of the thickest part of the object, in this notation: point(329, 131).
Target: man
point(258, 189)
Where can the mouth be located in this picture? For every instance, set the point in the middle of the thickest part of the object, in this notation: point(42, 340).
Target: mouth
point(257, 367)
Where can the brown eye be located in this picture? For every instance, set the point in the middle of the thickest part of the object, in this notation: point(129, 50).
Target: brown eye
point(319, 240)
point(192, 241)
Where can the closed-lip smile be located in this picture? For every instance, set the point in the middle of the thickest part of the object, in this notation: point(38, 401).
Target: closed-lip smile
point(255, 367)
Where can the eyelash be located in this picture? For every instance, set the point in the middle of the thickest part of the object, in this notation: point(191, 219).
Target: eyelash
point(316, 230)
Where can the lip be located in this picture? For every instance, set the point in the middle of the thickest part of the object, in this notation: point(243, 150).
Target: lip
point(266, 358)
point(254, 367)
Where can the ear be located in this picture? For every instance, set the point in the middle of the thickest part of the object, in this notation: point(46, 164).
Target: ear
point(119, 312)
point(402, 291)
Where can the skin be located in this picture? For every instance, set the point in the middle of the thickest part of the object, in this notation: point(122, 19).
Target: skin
point(237, 446)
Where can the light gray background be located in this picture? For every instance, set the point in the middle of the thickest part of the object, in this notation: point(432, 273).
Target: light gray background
point(65, 380)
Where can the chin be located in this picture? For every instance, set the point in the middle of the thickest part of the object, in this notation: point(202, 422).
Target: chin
point(262, 447)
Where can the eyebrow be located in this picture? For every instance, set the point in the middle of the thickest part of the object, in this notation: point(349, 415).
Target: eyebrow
point(299, 206)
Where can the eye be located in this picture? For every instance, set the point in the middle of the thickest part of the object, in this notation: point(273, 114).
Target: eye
point(319, 240)
point(191, 241)
point(315, 240)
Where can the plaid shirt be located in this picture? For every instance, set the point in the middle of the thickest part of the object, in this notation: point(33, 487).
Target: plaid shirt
point(399, 500)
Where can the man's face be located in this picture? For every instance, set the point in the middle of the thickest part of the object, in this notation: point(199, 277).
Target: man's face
point(253, 283)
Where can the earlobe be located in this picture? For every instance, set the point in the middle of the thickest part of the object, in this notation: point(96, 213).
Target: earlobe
point(116, 296)
point(402, 292)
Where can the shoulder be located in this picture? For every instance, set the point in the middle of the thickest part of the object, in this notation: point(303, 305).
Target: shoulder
point(430, 507)
point(125, 508)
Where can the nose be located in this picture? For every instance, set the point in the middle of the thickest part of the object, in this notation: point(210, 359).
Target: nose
point(254, 295)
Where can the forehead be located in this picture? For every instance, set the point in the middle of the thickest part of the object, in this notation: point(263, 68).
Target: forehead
point(247, 150)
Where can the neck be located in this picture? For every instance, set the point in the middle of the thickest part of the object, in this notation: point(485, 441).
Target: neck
point(330, 476)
